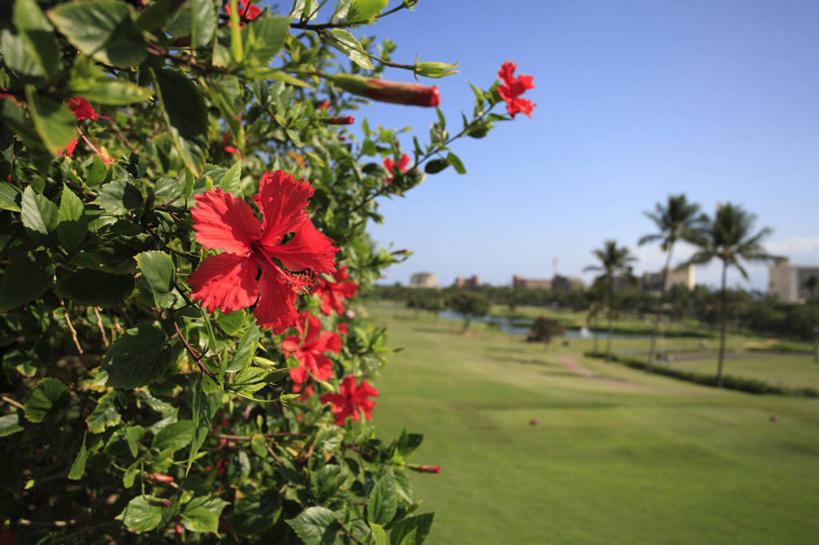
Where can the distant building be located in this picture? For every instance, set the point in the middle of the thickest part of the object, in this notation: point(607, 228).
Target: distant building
point(520, 283)
point(567, 283)
point(787, 281)
point(423, 280)
point(471, 282)
point(681, 276)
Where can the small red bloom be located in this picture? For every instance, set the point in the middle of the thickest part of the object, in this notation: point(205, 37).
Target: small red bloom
point(394, 168)
point(339, 120)
point(83, 110)
point(513, 88)
point(306, 393)
point(230, 149)
point(69, 149)
point(230, 281)
point(247, 10)
point(350, 399)
point(324, 105)
point(309, 346)
point(342, 328)
point(332, 293)
point(426, 469)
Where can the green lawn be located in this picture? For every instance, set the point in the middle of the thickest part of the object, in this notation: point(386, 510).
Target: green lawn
point(623, 457)
point(787, 370)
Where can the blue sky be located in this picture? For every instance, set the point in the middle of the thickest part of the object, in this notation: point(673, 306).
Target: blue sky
point(635, 100)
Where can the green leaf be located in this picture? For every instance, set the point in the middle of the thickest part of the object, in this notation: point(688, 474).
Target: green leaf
point(383, 500)
point(158, 271)
point(264, 38)
point(102, 29)
point(174, 436)
point(96, 173)
point(435, 166)
point(379, 535)
point(10, 424)
point(365, 11)
point(204, 407)
point(419, 524)
point(342, 8)
point(236, 48)
point(345, 42)
point(8, 197)
point(105, 414)
point(72, 225)
point(95, 288)
point(264, 72)
point(410, 538)
point(315, 526)
point(141, 514)
point(133, 435)
point(38, 213)
point(26, 277)
point(130, 474)
point(119, 197)
point(52, 121)
point(46, 396)
point(17, 55)
point(38, 36)
point(186, 115)
point(232, 323)
point(232, 178)
point(203, 22)
point(88, 80)
point(138, 357)
point(245, 350)
point(202, 514)
point(78, 467)
point(456, 163)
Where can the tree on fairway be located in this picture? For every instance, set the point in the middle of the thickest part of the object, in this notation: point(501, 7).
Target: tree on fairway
point(469, 305)
point(729, 238)
point(544, 329)
point(675, 220)
point(614, 260)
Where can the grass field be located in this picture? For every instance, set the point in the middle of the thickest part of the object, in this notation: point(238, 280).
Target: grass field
point(616, 457)
point(795, 371)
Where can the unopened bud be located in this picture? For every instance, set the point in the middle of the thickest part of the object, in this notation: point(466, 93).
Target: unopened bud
point(395, 92)
point(339, 120)
point(435, 69)
point(426, 469)
point(160, 478)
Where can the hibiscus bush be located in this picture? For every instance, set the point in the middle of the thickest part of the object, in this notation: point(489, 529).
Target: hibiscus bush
point(183, 218)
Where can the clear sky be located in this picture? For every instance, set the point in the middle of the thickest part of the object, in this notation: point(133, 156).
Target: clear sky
point(635, 100)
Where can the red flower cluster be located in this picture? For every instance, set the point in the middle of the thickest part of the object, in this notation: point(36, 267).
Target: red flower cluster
point(247, 10)
point(308, 347)
point(513, 87)
point(83, 110)
point(332, 293)
point(394, 168)
point(230, 281)
point(350, 399)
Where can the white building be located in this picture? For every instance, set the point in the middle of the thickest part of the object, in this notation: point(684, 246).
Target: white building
point(681, 276)
point(423, 280)
point(787, 282)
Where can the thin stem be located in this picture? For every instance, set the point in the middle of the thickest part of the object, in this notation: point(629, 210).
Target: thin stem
point(13, 403)
point(100, 327)
point(71, 329)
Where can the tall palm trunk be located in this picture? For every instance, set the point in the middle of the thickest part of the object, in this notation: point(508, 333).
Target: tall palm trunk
point(610, 316)
point(652, 351)
point(723, 317)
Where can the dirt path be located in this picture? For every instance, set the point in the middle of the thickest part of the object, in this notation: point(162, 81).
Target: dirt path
point(572, 362)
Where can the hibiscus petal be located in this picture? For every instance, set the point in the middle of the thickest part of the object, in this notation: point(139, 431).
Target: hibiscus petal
point(290, 344)
point(323, 367)
point(275, 309)
point(224, 221)
point(299, 374)
point(328, 342)
point(225, 281)
point(309, 249)
point(282, 202)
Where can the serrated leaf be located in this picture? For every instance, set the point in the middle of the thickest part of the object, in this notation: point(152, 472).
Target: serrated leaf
point(383, 500)
point(365, 11)
point(38, 213)
point(138, 357)
point(342, 8)
point(141, 514)
point(203, 22)
point(265, 72)
point(174, 436)
point(88, 80)
point(186, 116)
point(158, 271)
point(78, 466)
point(264, 38)
point(245, 350)
point(38, 36)
point(119, 197)
point(102, 29)
point(9, 195)
point(348, 44)
point(133, 435)
point(232, 179)
point(202, 514)
point(378, 534)
point(419, 524)
point(233, 322)
point(10, 424)
point(315, 526)
point(204, 407)
point(456, 163)
point(26, 277)
point(105, 414)
point(47, 395)
point(71, 223)
point(52, 121)
point(95, 288)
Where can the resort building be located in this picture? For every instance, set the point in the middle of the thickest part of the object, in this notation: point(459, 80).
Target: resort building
point(567, 283)
point(520, 283)
point(471, 282)
point(681, 276)
point(789, 282)
point(423, 280)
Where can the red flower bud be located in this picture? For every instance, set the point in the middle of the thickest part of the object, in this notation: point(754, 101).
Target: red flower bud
point(160, 478)
point(339, 120)
point(395, 92)
point(426, 469)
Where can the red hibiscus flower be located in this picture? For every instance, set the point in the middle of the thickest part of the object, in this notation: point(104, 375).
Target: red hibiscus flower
point(69, 149)
point(324, 105)
point(342, 328)
point(228, 148)
point(513, 87)
point(309, 346)
point(350, 399)
point(394, 168)
point(332, 293)
point(83, 110)
point(247, 10)
point(230, 280)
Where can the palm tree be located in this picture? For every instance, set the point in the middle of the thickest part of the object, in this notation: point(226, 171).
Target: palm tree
point(613, 260)
point(729, 239)
point(677, 220)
